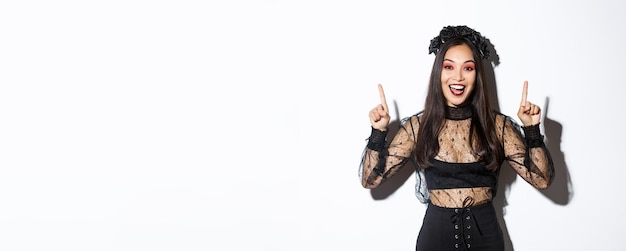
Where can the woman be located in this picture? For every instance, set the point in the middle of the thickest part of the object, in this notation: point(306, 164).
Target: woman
point(458, 143)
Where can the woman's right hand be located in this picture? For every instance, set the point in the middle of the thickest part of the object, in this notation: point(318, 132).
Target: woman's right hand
point(379, 116)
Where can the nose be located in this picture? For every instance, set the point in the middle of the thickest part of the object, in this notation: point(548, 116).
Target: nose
point(459, 75)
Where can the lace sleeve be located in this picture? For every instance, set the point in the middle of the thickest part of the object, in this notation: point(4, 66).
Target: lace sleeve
point(380, 160)
point(527, 154)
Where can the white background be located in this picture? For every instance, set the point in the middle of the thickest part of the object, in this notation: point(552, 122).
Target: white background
point(239, 125)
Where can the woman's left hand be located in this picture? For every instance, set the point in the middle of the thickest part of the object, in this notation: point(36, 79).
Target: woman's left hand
point(529, 113)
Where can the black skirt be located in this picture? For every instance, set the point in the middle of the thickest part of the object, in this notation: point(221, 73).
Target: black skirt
point(473, 228)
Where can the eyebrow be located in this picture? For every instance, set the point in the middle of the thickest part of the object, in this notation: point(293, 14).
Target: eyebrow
point(471, 60)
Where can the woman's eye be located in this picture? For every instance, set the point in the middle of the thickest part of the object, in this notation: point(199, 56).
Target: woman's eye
point(447, 67)
point(468, 67)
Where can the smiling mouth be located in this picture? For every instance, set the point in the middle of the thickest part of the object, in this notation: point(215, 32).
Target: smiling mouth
point(457, 90)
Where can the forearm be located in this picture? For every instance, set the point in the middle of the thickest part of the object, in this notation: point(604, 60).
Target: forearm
point(537, 159)
point(527, 154)
point(377, 163)
point(371, 168)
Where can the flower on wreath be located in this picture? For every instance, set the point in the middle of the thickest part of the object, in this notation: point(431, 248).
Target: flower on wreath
point(450, 32)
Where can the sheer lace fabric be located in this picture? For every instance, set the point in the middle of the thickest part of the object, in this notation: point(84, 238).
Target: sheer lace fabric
point(524, 151)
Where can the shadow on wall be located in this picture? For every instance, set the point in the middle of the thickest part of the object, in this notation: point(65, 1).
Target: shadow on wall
point(560, 192)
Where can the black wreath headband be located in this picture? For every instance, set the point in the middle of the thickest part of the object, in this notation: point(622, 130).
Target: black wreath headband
point(450, 32)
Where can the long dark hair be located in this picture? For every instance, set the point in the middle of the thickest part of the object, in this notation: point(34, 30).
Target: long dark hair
point(483, 115)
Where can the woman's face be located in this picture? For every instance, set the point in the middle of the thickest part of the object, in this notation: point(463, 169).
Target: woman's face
point(458, 74)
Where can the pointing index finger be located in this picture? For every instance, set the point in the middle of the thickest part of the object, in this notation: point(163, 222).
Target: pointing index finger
point(383, 100)
point(524, 93)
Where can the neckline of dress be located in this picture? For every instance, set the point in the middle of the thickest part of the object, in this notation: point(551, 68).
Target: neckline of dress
point(458, 113)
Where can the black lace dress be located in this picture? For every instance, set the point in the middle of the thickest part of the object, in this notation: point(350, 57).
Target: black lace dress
point(458, 187)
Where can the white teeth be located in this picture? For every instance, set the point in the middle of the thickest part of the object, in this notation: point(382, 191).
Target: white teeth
point(457, 87)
